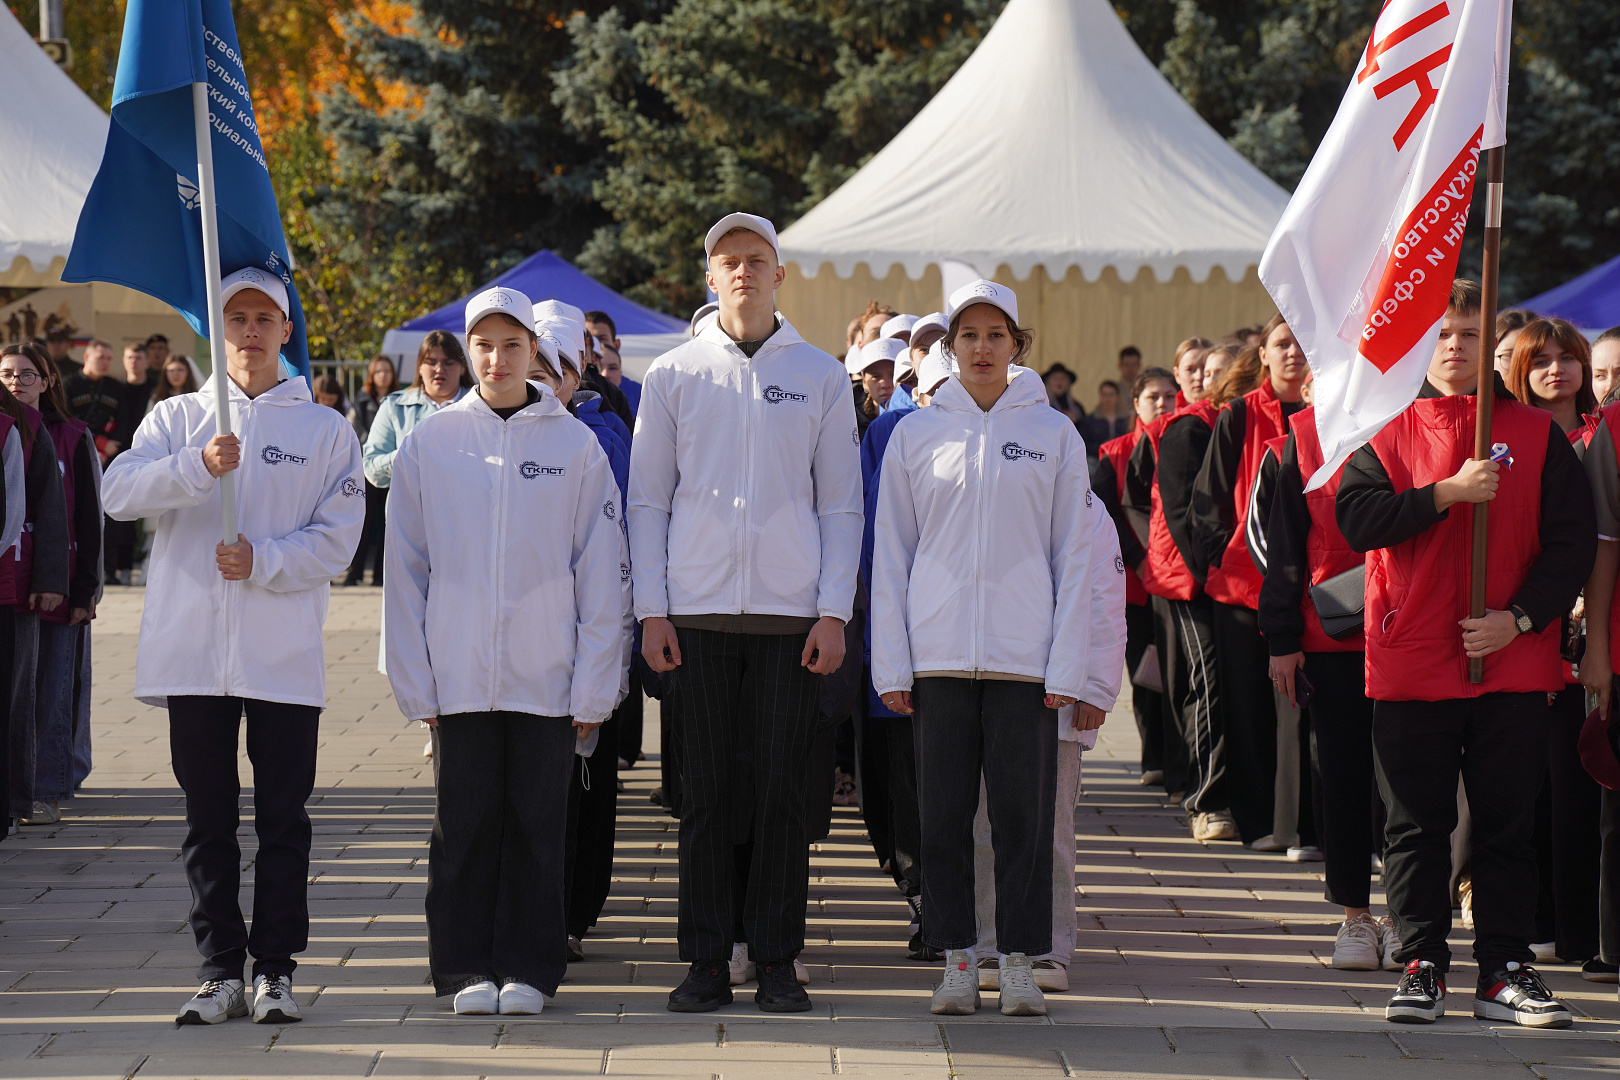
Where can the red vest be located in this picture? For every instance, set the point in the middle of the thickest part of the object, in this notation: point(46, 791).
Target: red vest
point(17, 564)
point(1164, 571)
point(1418, 590)
point(1236, 581)
point(1327, 552)
point(1610, 415)
point(1117, 452)
point(67, 436)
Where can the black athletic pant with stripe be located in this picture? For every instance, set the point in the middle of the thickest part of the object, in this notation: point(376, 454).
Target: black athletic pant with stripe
point(748, 713)
point(1192, 683)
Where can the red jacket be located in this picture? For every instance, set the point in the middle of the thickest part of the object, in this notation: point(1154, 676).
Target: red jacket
point(1236, 581)
point(1164, 571)
point(1417, 591)
point(1328, 553)
point(1117, 452)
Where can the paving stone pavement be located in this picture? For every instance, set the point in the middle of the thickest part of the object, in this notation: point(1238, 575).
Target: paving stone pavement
point(1194, 960)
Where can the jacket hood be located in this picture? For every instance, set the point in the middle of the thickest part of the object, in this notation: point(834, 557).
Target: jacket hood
point(546, 405)
point(294, 391)
point(785, 335)
point(1024, 387)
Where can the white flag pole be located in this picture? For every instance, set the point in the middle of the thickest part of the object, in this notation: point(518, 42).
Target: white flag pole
point(216, 304)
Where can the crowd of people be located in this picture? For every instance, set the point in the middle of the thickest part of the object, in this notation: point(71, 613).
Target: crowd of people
point(930, 546)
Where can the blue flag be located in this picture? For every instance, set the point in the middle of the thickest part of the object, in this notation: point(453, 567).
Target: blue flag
point(141, 225)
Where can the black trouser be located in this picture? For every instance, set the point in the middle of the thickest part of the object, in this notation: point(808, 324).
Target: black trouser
point(593, 815)
point(8, 630)
point(281, 741)
point(630, 714)
point(748, 712)
point(1147, 705)
point(1249, 714)
point(1568, 856)
point(1002, 729)
point(669, 746)
point(118, 547)
point(872, 771)
point(495, 907)
point(1342, 757)
point(1498, 743)
point(1609, 888)
point(24, 715)
point(905, 859)
point(1173, 677)
point(1195, 693)
point(371, 537)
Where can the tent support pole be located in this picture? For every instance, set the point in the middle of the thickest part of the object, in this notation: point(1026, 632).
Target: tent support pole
point(1494, 166)
point(216, 304)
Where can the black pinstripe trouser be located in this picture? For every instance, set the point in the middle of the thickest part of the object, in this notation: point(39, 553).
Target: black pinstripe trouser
point(748, 717)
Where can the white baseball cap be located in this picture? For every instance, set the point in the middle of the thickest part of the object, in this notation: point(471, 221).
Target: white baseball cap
point(982, 291)
point(852, 361)
point(898, 327)
point(501, 300)
point(929, 329)
point(562, 341)
point(877, 351)
point(251, 277)
point(935, 369)
point(751, 222)
point(701, 315)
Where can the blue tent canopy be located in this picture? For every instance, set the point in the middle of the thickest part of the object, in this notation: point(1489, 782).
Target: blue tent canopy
point(1591, 301)
point(547, 276)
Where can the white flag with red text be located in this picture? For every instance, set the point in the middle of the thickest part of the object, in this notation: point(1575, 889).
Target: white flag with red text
point(1362, 261)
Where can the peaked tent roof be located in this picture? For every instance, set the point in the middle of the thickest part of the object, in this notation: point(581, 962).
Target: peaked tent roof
point(1056, 144)
point(1591, 301)
point(51, 138)
point(548, 276)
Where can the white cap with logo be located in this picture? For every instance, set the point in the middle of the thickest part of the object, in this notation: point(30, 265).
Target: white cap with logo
point(935, 369)
point(982, 291)
point(251, 277)
point(501, 301)
point(546, 339)
point(929, 329)
point(877, 351)
point(898, 327)
point(752, 222)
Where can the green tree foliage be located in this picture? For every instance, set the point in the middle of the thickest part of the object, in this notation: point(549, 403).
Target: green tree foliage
point(765, 105)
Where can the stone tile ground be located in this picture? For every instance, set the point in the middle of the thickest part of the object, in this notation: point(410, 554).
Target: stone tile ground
point(1194, 960)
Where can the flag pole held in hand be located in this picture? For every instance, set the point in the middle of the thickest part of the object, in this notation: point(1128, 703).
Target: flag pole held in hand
point(1486, 395)
point(216, 305)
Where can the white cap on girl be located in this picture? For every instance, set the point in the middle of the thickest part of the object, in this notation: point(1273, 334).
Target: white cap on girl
point(982, 291)
point(498, 300)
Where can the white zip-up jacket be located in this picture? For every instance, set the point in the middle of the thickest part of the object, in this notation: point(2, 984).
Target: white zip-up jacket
point(507, 584)
point(987, 548)
point(300, 498)
point(745, 481)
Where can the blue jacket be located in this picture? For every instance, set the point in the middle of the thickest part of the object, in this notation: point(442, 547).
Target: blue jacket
point(632, 393)
point(398, 413)
point(873, 446)
point(607, 427)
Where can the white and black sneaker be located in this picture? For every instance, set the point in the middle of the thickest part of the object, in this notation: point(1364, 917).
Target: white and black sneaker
point(1517, 994)
point(273, 1001)
point(1421, 996)
point(215, 1003)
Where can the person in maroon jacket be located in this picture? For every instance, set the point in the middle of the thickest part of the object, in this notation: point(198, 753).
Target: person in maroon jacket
point(1153, 396)
point(1396, 501)
point(1216, 518)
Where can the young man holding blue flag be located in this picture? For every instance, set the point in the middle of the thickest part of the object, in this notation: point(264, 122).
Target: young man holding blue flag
point(234, 628)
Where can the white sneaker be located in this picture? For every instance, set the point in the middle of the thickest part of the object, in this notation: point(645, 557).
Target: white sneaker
point(989, 973)
point(521, 999)
point(1546, 952)
point(479, 999)
point(801, 974)
point(958, 992)
point(1355, 948)
point(1306, 853)
point(273, 1001)
point(427, 751)
point(1388, 942)
point(1268, 842)
point(742, 968)
point(1019, 994)
point(1051, 975)
point(215, 1003)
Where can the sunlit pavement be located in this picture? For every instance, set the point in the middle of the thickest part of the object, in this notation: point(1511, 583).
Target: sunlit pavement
point(1194, 960)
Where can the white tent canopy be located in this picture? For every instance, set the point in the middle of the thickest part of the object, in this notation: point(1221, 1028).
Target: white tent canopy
point(1057, 144)
point(51, 138)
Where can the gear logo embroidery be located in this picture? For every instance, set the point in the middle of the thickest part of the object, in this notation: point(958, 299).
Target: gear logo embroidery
point(776, 395)
point(1012, 452)
point(608, 511)
point(1119, 565)
point(275, 455)
point(529, 470)
point(352, 488)
point(1088, 496)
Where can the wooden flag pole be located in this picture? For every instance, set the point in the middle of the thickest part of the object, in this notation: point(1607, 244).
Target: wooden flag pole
point(1487, 381)
point(216, 305)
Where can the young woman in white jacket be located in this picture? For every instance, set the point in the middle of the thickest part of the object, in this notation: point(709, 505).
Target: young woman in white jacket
point(983, 619)
point(507, 606)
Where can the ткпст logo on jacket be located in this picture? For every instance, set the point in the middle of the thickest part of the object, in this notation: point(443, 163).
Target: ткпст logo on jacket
point(531, 469)
point(776, 395)
point(352, 488)
point(275, 455)
point(1012, 452)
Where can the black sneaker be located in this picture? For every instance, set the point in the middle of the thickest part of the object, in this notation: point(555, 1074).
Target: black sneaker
point(1595, 970)
point(1517, 994)
point(1421, 996)
point(779, 990)
point(576, 949)
point(707, 986)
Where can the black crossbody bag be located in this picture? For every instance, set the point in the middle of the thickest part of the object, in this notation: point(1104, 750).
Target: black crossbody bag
point(1340, 603)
